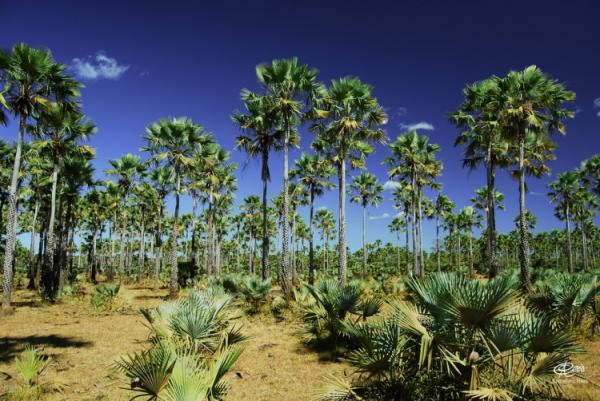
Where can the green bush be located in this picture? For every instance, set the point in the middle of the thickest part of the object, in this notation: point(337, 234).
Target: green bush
point(104, 296)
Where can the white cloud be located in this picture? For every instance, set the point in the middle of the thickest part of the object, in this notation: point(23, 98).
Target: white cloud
point(390, 185)
point(421, 125)
point(99, 66)
point(380, 217)
point(597, 105)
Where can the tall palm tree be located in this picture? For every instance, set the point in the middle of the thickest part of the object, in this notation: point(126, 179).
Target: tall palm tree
point(264, 136)
point(413, 160)
point(563, 192)
point(532, 103)
point(298, 196)
point(33, 80)
point(162, 180)
point(366, 191)
point(468, 218)
point(314, 173)
point(290, 86)
point(398, 225)
point(171, 143)
point(350, 122)
point(250, 209)
point(59, 128)
point(127, 170)
point(325, 222)
point(483, 145)
point(442, 206)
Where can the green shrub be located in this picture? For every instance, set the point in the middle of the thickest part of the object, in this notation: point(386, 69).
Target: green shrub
point(104, 296)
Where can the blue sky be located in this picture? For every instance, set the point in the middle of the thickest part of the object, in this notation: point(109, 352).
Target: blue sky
point(141, 61)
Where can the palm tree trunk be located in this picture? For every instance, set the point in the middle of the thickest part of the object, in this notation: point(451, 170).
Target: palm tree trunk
point(32, 269)
point(491, 214)
point(285, 273)
point(584, 246)
point(311, 249)
point(471, 268)
point(569, 245)
point(293, 250)
point(406, 249)
point(158, 247)
point(398, 253)
point(92, 266)
point(141, 256)
point(194, 235)
point(524, 240)
point(342, 274)
point(364, 240)
point(414, 226)
point(49, 275)
point(122, 244)
point(174, 285)
point(265, 210)
point(111, 239)
point(437, 243)
point(11, 228)
point(420, 238)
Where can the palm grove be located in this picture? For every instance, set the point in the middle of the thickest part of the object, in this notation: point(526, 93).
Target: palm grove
point(119, 228)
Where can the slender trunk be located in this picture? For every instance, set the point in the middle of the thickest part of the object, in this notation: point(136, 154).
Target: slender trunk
point(364, 240)
point(285, 272)
point(414, 226)
point(569, 245)
point(92, 267)
point(158, 248)
point(141, 256)
point(342, 274)
point(209, 238)
point(11, 228)
point(122, 254)
point(265, 210)
point(32, 269)
point(174, 285)
point(437, 243)
point(311, 250)
point(111, 238)
point(491, 214)
point(406, 250)
point(398, 257)
point(194, 234)
point(471, 268)
point(49, 275)
point(326, 253)
point(524, 240)
point(584, 246)
point(293, 248)
point(420, 237)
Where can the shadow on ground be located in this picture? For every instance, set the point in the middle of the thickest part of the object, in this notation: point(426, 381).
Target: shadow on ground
point(11, 346)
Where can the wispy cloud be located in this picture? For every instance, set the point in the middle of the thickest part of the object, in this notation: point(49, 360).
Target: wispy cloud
point(597, 105)
point(96, 67)
point(421, 125)
point(391, 185)
point(380, 217)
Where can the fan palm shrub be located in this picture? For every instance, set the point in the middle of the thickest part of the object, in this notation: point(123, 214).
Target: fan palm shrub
point(454, 339)
point(330, 306)
point(30, 366)
point(194, 343)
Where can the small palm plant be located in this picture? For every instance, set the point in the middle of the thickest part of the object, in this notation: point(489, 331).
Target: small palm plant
point(193, 345)
point(328, 310)
point(30, 366)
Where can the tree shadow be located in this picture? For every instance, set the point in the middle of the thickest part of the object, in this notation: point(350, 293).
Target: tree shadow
point(11, 346)
point(153, 296)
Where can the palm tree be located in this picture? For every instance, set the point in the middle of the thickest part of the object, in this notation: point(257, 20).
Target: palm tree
point(350, 121)
point(171, 143)
point(33, 80)
point(250, 209)
point(325, 222)
point(298, 196)
point(290, 86)
point(313, 172)
point(366, 190)
point(59, 128)
point(532, 103)
point(127, 169)
point(585, 207)
point(467, 219)
point(260, 121)
point(398, 225)
point(413, 160)
point(563, 192)
point(483, 144)
point(590, 173)
point(442, 207)
point(162, 180)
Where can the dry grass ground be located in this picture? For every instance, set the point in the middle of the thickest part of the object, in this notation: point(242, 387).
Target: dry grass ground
point(84, 344)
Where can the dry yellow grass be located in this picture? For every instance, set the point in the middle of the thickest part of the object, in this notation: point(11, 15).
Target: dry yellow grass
point(83, 345)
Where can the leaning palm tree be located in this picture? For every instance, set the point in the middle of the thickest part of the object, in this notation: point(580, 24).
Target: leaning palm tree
point(350, 120)
point(563, 192)
point(532, 104)
point(32, 80)
point(313, 172)
point(366, 191)
point(128, 170)
point(264, 136)
point(290, 86)
point(171, 142)
point(59, 129)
